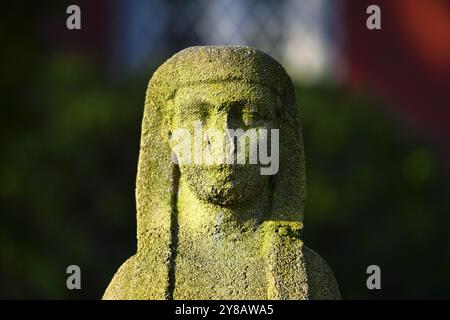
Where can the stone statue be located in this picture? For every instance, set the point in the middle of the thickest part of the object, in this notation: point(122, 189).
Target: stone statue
point(220, 231)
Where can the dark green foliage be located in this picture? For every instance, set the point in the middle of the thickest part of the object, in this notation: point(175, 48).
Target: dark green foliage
point(377, 194)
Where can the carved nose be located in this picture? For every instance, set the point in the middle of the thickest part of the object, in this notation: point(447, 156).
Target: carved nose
point(225, 121)
point(229, 123)
point(233, 118)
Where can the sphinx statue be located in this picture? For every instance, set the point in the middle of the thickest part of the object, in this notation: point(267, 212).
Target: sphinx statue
point(222, 231)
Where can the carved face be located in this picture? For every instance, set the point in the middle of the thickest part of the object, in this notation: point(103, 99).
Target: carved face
point(218, 107)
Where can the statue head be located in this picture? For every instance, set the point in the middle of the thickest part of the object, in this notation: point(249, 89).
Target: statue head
point(218, 89)
point(256, 205)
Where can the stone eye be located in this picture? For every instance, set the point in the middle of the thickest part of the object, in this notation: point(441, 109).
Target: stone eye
point(200, 111)
point(251, 117)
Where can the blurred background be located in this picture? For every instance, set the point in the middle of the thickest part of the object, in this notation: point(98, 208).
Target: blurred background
point(374, 106)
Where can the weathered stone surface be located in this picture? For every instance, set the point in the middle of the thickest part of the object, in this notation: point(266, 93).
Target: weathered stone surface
point(224, 231)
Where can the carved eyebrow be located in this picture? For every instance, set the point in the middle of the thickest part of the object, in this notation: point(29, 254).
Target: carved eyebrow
point(195, 103)
point(236, 104)
point(261, 107)
point(195, 106)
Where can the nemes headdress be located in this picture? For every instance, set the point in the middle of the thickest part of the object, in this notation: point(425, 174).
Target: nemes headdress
point(157, 178)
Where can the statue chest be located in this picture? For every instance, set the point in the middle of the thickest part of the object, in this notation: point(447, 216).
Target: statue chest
point(219, 267)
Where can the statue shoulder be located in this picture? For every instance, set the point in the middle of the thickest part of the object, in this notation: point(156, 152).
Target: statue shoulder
point(321, 281)
point(133, 281)
point(294, 270)
point(118, 289)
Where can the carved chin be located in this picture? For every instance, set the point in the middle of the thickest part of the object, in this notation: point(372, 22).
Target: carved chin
point(224, 185)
